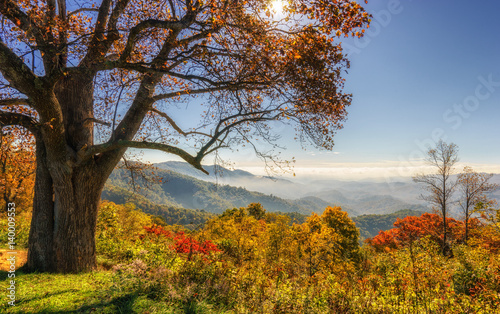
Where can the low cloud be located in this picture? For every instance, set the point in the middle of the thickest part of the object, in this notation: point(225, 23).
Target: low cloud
point(386, 170)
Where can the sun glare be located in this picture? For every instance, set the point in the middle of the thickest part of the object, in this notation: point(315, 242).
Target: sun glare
point(277, 6)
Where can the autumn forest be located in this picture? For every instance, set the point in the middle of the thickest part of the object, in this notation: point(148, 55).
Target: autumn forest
point(89, 224)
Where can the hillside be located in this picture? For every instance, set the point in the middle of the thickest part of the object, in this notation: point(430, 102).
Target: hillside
point(240, 178)
point(370, 225)
point(356, 197)
point(177, 190)
point(171, 213)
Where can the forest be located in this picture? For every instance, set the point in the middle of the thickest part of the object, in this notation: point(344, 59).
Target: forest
point(248, 260)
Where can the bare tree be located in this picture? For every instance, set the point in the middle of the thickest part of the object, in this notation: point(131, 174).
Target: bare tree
point(473, 188)
point(440, 186)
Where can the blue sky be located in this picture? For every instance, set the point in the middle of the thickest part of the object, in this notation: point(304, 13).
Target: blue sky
point(425, 70)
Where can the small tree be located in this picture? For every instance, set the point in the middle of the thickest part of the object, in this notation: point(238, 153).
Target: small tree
point(338, 220)
point(473, 187)
point(440, 186)
point(17, 168)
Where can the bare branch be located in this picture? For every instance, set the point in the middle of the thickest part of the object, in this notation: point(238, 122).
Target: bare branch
point(82, 10)
point(106, 147)
point(193, 92)
point(89, 120)
point(175, 126)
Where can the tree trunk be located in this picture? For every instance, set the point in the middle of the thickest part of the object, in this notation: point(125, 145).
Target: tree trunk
point(67, 190)
point(42, 222)
point(466, 227)
point(446, 248)
point(75, 216)
point(62, 235)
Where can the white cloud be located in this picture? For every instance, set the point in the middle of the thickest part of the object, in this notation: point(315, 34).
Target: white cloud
point(386, 170)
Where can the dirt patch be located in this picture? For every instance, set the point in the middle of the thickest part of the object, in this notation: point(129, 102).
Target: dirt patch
point(21, 257)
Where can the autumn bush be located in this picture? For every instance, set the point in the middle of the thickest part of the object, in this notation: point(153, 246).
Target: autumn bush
point(411, 228)
point(247, 260)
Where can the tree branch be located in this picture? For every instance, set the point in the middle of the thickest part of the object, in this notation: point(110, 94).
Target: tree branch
point(10, 10)
point(10, 118)
point(82, 10)
point(16, 72)
point(105, 32)
point(175, 126)
point(15, 101)
point(106, 147)
point(134, 32)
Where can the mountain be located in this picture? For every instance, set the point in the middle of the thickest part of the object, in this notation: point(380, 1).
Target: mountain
point(240, 178)
point(356, 197)
point(215, 172)
point(171, 213)
point(188, 192)
point(178, 189)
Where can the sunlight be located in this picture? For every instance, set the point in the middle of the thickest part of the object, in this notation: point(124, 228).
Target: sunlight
point(277, 6)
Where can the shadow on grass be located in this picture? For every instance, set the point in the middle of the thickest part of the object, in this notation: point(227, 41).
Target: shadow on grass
point(19, 302)
point(4, 275)
point(122, 304)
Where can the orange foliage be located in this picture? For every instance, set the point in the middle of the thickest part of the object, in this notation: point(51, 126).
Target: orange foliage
point(17, 169)
point(412, 228)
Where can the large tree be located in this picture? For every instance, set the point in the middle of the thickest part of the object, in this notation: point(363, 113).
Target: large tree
point(91, 79)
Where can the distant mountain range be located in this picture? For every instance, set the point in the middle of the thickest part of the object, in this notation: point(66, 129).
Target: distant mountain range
point(183, 186)
point(187, 197)
point(356, 197)
point(180, 190)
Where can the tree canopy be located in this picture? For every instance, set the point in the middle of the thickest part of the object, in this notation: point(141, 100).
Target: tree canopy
point(90, 79)
point(142, 57)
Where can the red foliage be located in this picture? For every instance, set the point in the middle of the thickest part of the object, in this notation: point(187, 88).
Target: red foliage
point(183, 243)
point(411, 228)
point(189, 245)
point(158, 230)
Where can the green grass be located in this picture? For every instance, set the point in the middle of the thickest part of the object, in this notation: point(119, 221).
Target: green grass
point(95, 292)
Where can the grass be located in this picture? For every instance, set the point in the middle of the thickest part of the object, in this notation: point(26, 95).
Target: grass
point(95, 292)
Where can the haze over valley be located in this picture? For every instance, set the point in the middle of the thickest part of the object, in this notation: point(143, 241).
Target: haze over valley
point(182, 186)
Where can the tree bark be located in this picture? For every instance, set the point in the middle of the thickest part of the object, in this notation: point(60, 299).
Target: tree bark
point(75, 214)
point(67, 190)
point(42, 222)
point(445, 233)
